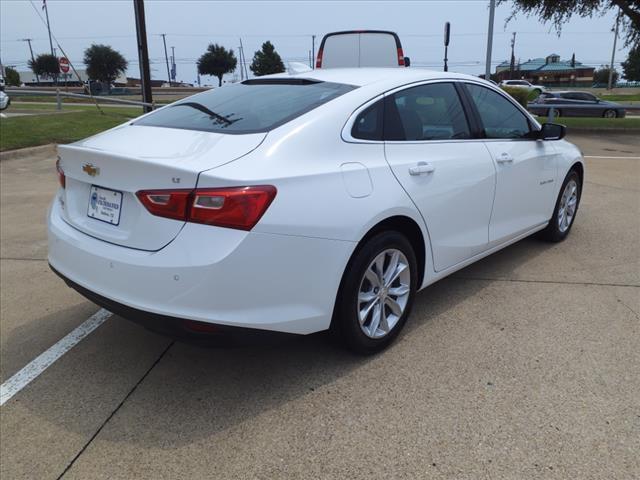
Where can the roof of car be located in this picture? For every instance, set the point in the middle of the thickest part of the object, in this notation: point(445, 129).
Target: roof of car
point(366, 76)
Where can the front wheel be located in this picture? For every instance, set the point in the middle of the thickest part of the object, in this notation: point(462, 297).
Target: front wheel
point(376, 293)
point(610, 114)
point(566, 209)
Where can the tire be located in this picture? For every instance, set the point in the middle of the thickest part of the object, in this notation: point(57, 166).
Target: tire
point(560, 225)
point(365, 337)
point(610, 114)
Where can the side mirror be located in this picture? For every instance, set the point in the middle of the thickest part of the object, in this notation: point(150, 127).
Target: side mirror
point(407, 62)
point(552, 131)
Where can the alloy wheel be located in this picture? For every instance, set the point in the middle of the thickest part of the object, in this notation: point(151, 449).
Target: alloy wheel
point(383, 293)
point(568, 206)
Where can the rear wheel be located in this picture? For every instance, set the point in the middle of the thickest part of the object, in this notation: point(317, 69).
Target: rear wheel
point(376, 293)
point(610, 114)
point(566, 209)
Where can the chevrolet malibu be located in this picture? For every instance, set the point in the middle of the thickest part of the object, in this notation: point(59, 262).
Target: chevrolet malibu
point(301, 203)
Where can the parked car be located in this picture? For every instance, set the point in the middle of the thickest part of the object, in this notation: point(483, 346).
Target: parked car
point(575, 104)
point(5, 101)
point(361, 48)
point(302, 203)
point(523, 84)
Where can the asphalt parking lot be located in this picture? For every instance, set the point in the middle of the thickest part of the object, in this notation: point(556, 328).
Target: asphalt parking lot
point(525, 365)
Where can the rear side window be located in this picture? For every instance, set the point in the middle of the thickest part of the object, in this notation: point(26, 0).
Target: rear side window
point(426, 112)
point(250, 107)
point(500, 118)
point(368, 125)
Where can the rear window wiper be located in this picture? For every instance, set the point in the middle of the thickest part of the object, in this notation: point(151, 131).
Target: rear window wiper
point(205, 110)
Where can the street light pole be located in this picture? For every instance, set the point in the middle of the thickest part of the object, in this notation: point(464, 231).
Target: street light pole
point(613, 53)
point(492, 13)
point(173, 64)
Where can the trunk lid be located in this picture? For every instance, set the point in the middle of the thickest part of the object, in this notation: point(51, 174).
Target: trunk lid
point(104, 172)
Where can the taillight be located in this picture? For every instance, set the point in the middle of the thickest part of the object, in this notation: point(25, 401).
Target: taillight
point(400, 57)
point(235, 207)
point(319, 60)
point(61, 178)
point(166, 203)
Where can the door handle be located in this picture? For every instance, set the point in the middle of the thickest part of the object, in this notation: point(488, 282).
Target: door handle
point(505, 158)
point(421, 168)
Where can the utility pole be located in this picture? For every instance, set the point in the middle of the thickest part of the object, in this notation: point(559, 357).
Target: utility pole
point(166, 57)
point(492, 14)
point(512, 64)
point(313, 51)
point(46, 12)
point(613, 53)
point(143, 53)
point(240, 55)
point(28, 40)
point(173, 64)
point(243, 61)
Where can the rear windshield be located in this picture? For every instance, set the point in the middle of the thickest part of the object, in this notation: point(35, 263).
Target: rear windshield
point(250, 107)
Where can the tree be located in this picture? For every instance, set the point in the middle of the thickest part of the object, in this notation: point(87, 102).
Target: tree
point(217, 61)
point(104, 63)
point(631, 67)
point(266, 61)
point(601, 75)
point(560, 11)
point(45, 65)
point(12, 77)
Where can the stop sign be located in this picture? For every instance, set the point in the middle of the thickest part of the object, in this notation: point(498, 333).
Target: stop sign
point(64, 64)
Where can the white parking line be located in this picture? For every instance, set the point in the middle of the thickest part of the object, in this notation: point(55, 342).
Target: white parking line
point(43, 361)
point(609, 156)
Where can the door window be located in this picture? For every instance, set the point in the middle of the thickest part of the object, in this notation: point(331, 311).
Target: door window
point(500, 118)
point(426, 112)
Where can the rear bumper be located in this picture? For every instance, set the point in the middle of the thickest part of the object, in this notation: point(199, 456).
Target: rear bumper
point(205, 334)
point(227, 277)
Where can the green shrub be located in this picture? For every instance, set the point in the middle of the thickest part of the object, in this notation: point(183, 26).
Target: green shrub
point(520, 95)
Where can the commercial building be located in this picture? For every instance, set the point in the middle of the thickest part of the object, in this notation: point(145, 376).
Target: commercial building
point(549, 71)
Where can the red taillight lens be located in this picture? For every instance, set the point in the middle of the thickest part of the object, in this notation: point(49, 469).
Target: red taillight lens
point(166, 203)
point(319, 60)
point(61, 178)
point(236, 207)
point(400, 57)
point(239, 207)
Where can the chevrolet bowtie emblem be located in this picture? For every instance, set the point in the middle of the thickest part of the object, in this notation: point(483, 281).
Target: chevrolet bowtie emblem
point(90, 170)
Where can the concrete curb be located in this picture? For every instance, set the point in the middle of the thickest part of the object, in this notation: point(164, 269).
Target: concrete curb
point(627, 131)
point(50, 149)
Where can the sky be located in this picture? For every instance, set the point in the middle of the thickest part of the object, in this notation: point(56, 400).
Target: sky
point(191, 25)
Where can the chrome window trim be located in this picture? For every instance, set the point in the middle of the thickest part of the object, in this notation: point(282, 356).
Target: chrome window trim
point(346, 136)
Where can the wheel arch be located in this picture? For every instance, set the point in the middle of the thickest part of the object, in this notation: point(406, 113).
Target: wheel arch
point(408, 227)
point(579, 168)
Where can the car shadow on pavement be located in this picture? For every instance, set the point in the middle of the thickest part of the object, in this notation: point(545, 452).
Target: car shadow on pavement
point(193, 392)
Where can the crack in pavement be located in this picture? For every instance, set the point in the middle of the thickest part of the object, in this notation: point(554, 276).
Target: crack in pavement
point(553, 282)
point(611, 186)
point(24, 259)
point(629, 308)
point(126, 397)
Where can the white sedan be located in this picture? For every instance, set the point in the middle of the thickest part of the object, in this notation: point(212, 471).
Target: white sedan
point(5, 101)
point(301, 203)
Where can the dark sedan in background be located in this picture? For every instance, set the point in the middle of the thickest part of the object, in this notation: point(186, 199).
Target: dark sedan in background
point(575, 104)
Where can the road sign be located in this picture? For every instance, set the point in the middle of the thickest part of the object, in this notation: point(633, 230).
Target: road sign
point(64, 64)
